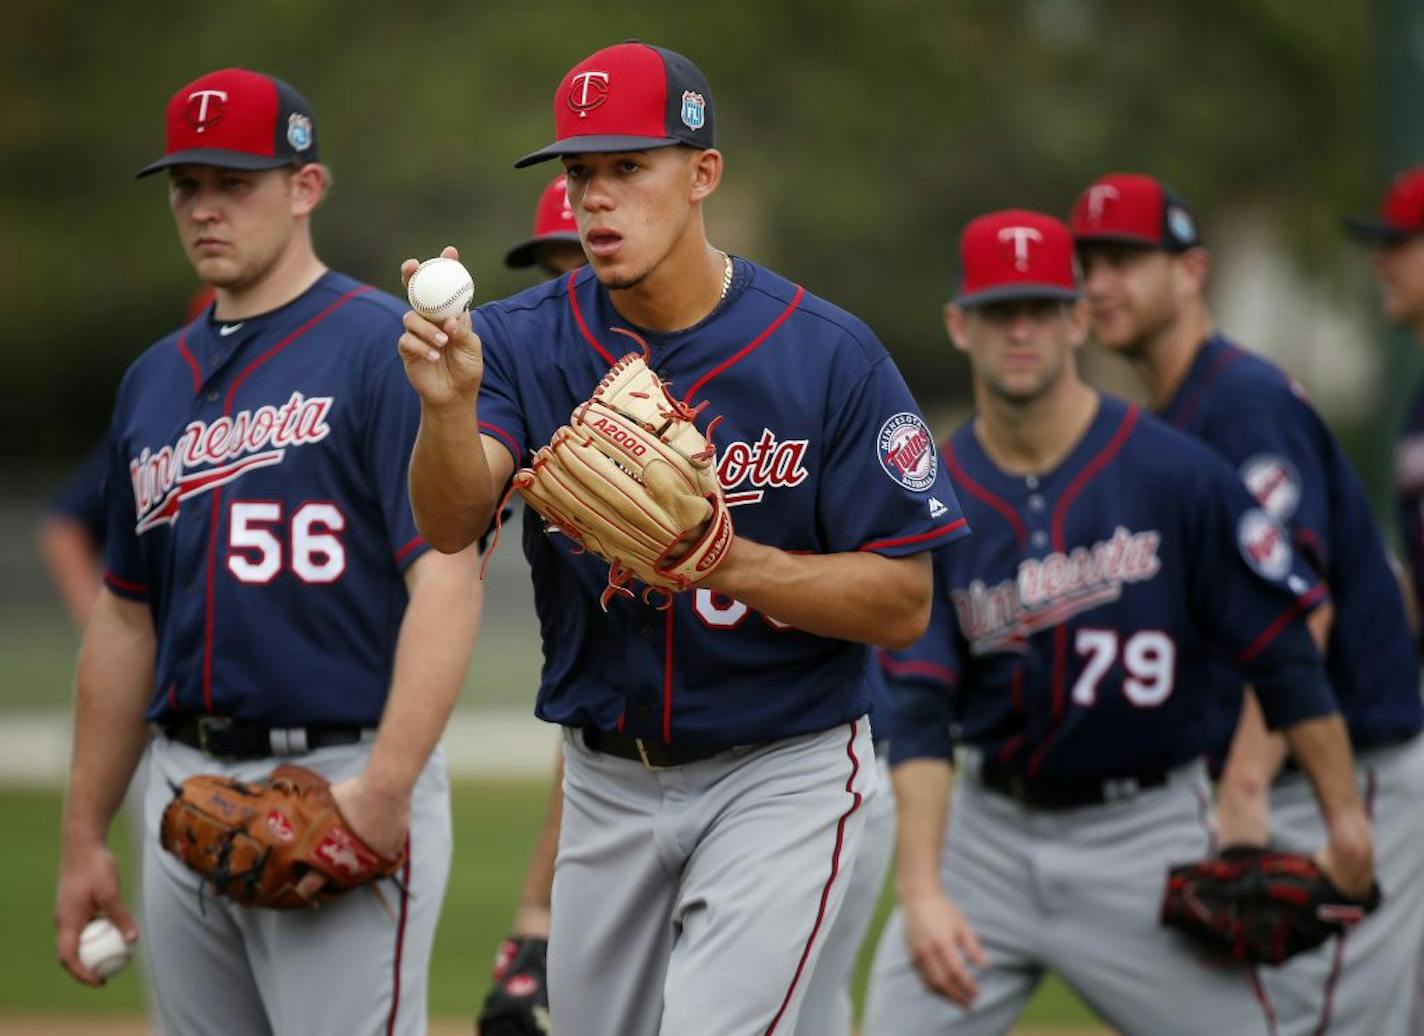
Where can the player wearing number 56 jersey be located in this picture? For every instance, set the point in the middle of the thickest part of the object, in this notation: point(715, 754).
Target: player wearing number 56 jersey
point(268, 597)
point(716, 751)
point(1067, 656)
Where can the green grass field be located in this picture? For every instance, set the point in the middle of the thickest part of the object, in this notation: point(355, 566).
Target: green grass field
point(495, 826)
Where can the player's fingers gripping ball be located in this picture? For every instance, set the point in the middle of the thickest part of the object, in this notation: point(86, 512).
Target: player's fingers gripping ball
point(253, 842)
point(440, 288)
point(632, 479)
point(1259, 906)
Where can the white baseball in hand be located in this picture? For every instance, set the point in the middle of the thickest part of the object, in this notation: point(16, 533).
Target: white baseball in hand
point(440, 288)
point(102, 948)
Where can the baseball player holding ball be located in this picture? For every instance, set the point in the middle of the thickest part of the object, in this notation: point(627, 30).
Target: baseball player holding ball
point(1067, 657)
point(1145, 277)
point(268, 600)
point(705, 598)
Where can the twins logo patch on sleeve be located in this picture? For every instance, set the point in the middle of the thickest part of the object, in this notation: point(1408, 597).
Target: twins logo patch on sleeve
point(1264, 544)
point(907, 451)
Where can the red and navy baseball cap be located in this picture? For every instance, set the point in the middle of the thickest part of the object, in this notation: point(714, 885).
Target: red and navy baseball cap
point(238, 120)
point(1133, 209)
point(1015, 254)
point(1401, 214)
point(629, 97)
point(553, 221)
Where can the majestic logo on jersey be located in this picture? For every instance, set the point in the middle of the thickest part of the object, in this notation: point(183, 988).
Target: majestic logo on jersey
point(208, 455)
point(1274, 483)
point(587, 91)
point(1264, 544)
point(1048, 592)
point(766, 464)
point(907, 451)
point(1021, 238)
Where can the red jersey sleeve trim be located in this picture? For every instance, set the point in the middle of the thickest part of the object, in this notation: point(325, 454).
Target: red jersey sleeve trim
point(506, 440)
point(401, 554)
point(125, 586)
point(1298, 607)
point(905, 541)
point(910, 667)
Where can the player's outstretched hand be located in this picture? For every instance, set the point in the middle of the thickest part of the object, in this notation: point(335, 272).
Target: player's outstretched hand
point(378, 819)
point(943, 946)
point(88, 888)
point(445, 364)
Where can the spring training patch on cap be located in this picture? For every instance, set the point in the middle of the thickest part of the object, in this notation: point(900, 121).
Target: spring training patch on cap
point(907, 453)
point(694, 110)
point(299, 131)
point(1180, 222)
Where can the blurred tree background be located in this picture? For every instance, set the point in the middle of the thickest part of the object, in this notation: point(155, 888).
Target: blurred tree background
point(859, 136)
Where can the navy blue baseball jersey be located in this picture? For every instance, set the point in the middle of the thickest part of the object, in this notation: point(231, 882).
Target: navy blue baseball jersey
point(81, 498)
point(1254, 416)
point(1409, 491)
point(257, 501)
point(821, 449)
point(1071, 643)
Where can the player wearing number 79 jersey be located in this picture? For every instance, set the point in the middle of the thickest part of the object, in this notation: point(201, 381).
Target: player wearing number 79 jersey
point(1067, 655)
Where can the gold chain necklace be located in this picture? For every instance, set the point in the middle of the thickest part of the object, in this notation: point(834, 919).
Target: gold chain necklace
point(726, 276)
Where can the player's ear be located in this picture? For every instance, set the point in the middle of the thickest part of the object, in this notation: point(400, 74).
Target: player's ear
point(706, 170)
point(1194, 266)
point(309, 184)
point(1079, 322)
point(955, 318)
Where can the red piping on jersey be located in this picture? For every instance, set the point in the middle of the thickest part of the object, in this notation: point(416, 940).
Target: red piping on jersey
point(667, 676)
point(1313, 547)
point(1060, 513)
point(400, 554)
point(1189, 408)
point(583, 328)
point(400, 941)
point(124, 585)
point(1011, 747)
point(747, 349)
point(910, 667)
point(1299, 606)
point(192, 361)
point(998, 503)
point(826, 890)
point(905, 541)
point(217, 491)
point(505, 438)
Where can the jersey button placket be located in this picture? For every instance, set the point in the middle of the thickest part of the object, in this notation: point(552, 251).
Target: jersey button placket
point(1037, 507)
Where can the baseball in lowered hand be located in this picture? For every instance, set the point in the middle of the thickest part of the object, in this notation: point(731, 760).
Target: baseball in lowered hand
point(440, 288)
point(102, 948)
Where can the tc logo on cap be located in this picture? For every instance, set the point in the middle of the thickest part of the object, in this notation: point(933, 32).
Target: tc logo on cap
point(1021, 237)
point(587, 91)
point(205, 108)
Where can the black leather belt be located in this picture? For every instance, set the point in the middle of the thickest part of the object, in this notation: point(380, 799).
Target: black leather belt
point(1054, 795)
point(226, 738)
point(655, 755)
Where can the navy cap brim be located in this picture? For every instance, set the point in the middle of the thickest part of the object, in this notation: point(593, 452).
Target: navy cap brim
point(1370, 231)
point(1006, 292)
point(526, 253)
point(218, 157)
point(594, 145)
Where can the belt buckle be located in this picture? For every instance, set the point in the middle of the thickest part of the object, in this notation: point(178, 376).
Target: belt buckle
point(643, 755)
point(207, 724)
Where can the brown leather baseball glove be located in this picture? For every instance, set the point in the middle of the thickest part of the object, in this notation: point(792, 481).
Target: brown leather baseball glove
point(253, 842)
